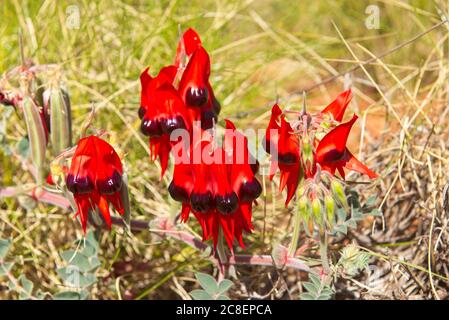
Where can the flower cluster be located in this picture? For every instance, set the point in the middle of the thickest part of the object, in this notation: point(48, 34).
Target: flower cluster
point(220, 188)
point(220, 192)
point(313, 143)
point(179, 95)
point(95, 179)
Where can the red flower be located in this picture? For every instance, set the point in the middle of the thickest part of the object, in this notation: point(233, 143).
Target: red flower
point(293, 149)
point(338, 107)
point(177, 96)
point(162, 111)
point(95, 178)
point(332, 153)
point(220, 193)
point(281, 142)
point(187, 45)
point(195, 88)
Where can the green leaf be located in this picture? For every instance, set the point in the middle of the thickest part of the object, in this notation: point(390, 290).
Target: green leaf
point(341, 213)
point(351, 223)
point(311, 288)
point(341, 228)
point(73, 278)
point(315, 279)
point(223, 297)
point(323, 297)
point(42, 295)
point(84, 294)
point(67, 295)
point(27, 286)
point(224, 286)
point(68, 255)
point(208, 283)
point(91, 243)
point(87, 280)
point(371, 201)
point(5, 268)
point(307, 296)
point(375, 213)
point(23, 147)
point(79, 260)
point(200, 295)
point(5, 244)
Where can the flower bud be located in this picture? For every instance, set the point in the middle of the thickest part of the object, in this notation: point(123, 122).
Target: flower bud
point(36, 135)
point(339, 193)
point(57, 101)
point(303, 207)
point(317, 211)
point(330, 209)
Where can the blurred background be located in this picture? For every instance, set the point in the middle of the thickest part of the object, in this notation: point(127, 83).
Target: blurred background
point(261, 51)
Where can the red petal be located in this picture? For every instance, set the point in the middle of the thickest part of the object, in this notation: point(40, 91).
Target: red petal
point(102, 204)
point(196, 75)
point(355, 165)
point(288, 146)
point(189, 42)
point(338, 106)
point(332, 147)
point(145, 80)
point(149, 85)
point(83, 204)
point(227, 223)
point(290, 176)
point(272, 133)
point(185, 212)
point(117, 202)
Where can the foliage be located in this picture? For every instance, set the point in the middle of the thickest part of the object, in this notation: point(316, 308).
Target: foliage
point(212, 290)
point(353, 260)
point(79, 273)
point(358, 213)
point(316, 289)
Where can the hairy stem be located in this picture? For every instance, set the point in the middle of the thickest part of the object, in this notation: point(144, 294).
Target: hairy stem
point(295, 237)
point(323, 250)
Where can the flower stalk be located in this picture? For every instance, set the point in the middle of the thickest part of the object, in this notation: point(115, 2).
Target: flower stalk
point(296, 231)
point(323, 250)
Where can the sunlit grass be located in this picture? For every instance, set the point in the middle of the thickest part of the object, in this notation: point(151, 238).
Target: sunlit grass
point(260, 51)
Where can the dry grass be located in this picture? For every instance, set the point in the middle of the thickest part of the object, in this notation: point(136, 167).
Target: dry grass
point(260, 50)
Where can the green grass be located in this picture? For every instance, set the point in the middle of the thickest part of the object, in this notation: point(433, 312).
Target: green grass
point(260, 50)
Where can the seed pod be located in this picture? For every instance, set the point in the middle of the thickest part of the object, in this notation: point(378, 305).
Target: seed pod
point(57, 101)
point(330, 210)
point(339, 193)
point(317, 211)
point(36, 135)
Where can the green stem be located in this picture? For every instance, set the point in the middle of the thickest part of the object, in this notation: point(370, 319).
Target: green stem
point(323, 250)
point(295, 236)
point(221, 247)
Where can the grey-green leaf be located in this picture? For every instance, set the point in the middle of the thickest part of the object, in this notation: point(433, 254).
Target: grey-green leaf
point(5, 244)
point(224, 286)
point(200, 295)
point(207, 282)
point(67, 295)
point(5, 268)
point(311, 288)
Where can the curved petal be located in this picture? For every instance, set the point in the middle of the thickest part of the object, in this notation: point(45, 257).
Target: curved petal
point(337, 107)
point(189, 42)
point(332, 147)
point(352, 163)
